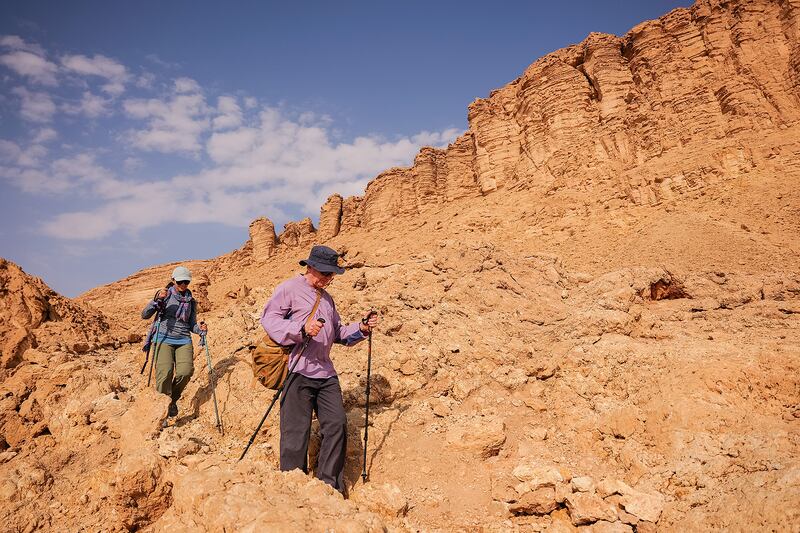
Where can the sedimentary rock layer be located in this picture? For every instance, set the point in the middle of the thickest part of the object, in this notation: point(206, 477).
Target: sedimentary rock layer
point(617, 118)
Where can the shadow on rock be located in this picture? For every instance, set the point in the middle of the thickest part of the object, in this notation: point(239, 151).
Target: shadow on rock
point(203, 394)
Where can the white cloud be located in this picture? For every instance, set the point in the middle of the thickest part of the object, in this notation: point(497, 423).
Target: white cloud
point(30, 156)
point(186, 85)
point(31, 65)
point(174, 125)
point(15, 42)
point(45, 135)
point(132, 163)
point(256, 160)
point(35, 181)
point(438, 139)
point(258, 170)
point(146, 80)
point(229, 114)
point(79, 174)
point(35, 107)
point(9, 151)
point(91, 105)
point(227, 146)
point(100, 66)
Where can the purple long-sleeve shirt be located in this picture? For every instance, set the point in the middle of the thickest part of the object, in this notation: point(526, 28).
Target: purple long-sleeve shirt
point(287, 311)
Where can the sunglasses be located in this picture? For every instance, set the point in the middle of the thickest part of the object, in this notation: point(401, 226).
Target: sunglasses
point(327, 274)
point(182, 282)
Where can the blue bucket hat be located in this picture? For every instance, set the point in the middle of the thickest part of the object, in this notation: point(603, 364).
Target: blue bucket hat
point(323, 259)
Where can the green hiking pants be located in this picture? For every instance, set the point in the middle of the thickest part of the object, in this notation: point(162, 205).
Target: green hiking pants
point(174, 367)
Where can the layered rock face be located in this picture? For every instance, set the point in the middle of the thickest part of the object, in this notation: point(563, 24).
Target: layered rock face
point(663, 111)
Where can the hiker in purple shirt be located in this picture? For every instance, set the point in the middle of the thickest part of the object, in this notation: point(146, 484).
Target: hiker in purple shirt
point(314, 384)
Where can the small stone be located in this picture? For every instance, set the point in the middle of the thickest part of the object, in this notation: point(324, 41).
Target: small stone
point(441, 408)
point(607, 487)
point(387, 499)
point(539, 502)
point(537, 433)
point(583, 484)
point(646, 527)
point(409, 368)
point(585, 508)
point(80, 347)
point(562, 491)
point(482, 435)
point(537, 476)
point(7, 456)
point(644, 506)
point(560, 522)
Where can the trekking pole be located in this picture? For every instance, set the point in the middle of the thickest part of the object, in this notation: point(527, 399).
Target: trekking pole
point(366, 411)
point(277, 394)
point(157, 325)
point(159, 318)
point(203, 342)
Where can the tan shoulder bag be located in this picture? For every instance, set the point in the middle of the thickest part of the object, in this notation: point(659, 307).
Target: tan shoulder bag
point(271, 360)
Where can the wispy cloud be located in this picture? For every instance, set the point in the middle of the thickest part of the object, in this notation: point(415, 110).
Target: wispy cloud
point(259, 169)
point(249, 159)
point(15, 42)
point(91, 105)
point(229, 114)
point(101, 66)
point(174, 124)
point(31, 65)
point(35, 106)
point(44, 135)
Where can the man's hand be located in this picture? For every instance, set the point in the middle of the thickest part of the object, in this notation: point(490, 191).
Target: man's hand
point(369, 322)
point(161, 294)
point(203, 327)
point(313, 328)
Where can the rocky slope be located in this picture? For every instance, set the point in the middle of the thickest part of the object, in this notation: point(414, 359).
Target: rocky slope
point(591, 304)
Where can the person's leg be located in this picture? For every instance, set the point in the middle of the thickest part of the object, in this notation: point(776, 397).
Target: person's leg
point(165, 363)
point(333, 427)
point(184, 368)
point(296, 403)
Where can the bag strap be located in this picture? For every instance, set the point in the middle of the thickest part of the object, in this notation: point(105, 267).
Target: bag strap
point(314, 309)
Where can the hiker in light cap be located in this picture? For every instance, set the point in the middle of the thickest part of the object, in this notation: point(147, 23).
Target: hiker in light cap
point(174, 351)
point(313, 385)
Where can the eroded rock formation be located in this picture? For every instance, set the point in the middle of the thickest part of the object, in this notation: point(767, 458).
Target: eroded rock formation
point(666, 110)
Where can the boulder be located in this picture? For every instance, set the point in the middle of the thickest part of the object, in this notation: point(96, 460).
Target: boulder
point(482, 436)
point(585, 508)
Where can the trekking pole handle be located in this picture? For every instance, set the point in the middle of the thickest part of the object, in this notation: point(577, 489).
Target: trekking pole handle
point(202, 334)
point(371, 313)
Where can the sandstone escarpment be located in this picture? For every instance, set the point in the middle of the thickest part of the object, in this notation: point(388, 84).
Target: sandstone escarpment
point(664, 111)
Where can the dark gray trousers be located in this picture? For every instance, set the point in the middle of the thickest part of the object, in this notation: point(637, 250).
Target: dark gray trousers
point(324, 396)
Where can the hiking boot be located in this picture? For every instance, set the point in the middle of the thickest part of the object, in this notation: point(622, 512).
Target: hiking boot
point(172, 410)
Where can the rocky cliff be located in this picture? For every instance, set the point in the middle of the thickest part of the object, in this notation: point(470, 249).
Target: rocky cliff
point(701, 95)
point(591, 322)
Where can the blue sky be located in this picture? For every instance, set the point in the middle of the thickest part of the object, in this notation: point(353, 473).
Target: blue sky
point(140, 133)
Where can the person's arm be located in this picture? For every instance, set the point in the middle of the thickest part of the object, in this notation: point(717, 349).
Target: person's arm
point(348, 335)
point(193, 318)
point(151, 308)
point(155, 304)
point(273, 319)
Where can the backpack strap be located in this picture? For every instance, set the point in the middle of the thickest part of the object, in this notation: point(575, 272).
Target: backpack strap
point(314, 309)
